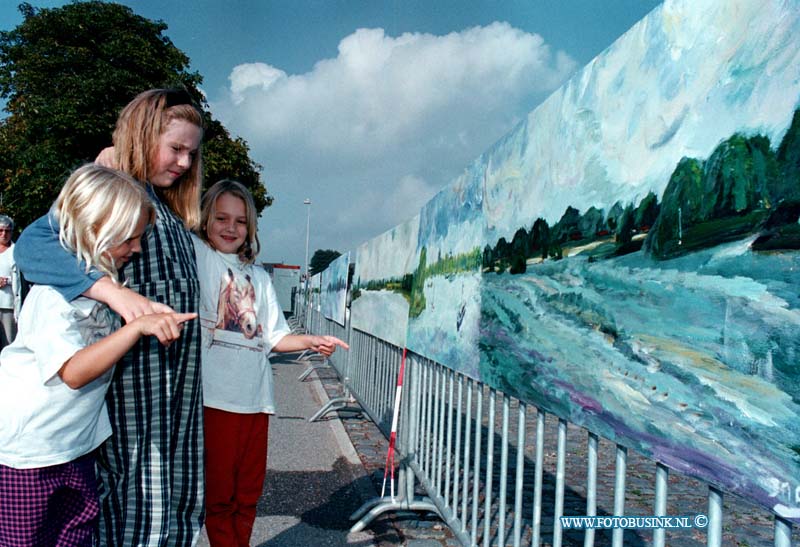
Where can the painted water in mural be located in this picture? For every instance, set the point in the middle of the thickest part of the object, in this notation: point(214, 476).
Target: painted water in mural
point(628, 258)
point(382, 283)
point(333, 286)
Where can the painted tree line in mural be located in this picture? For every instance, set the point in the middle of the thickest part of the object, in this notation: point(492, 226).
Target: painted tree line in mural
point(744, 187)
point(411, 285)
point(402, 285)
point(336, 285)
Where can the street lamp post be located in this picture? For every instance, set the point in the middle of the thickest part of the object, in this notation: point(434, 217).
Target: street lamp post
point(308, 226)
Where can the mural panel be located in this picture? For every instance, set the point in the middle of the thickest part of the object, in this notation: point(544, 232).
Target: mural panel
point(334, 289)
point(314, 284)
point(382, 283)
point(445, 306)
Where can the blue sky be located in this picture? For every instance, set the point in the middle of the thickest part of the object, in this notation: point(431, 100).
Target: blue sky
point(370, 107)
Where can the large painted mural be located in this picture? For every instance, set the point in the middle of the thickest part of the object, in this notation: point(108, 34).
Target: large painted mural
point(628, 257)
point(334, 289)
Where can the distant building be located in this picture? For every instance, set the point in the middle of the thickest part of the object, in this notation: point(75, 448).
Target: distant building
point(286, 280)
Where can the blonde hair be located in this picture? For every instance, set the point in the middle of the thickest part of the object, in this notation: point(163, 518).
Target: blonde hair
point(136, 138)
point(98, 209)
point(249, 249)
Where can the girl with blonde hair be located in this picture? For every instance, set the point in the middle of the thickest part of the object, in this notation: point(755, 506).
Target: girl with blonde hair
point(151, 469)
point(54, 376)
point(238, 307)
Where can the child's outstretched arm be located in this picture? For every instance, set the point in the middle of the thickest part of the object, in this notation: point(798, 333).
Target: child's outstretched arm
point(94, 360)
point(325, 345)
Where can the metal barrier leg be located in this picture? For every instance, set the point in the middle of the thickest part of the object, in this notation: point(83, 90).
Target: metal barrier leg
point(345, 402)
point(376, 507)
point(618, 534)
point(662, 478)
point(538, 478)
point(311, 368)
point(591, 486)
point(714, 517)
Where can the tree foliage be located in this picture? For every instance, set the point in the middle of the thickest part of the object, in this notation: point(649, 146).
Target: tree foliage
point(65, 74)
point(322, 259)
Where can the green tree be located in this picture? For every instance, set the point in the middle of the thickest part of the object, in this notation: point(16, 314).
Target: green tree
point(787, 187)
point(540, 238)
point(614, 214)
point(322, 259)
point(646, 212)
point(567, 226)
point(626, 226)
point(488, 257)
point(65, 74)
point(591, 222)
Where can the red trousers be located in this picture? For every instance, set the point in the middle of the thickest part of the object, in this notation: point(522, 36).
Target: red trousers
point(236, 462)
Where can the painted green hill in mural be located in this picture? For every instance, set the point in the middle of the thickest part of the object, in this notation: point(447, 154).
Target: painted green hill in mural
point(744, 187)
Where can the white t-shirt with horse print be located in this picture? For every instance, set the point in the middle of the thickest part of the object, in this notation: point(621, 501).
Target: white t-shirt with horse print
point(240, 321)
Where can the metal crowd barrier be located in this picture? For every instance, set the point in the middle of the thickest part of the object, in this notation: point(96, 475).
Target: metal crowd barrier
point(311, 321)
point(298, 318)
point(481, 456)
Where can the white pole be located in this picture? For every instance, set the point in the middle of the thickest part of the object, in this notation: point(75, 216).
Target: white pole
point(308, 226)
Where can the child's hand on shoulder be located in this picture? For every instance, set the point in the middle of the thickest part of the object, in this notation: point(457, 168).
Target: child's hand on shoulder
point(126, 302)
point(326, 345)
point(166, 327)
point(106, 158)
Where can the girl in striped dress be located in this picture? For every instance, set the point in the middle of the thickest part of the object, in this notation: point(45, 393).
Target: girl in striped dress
point(151, 469)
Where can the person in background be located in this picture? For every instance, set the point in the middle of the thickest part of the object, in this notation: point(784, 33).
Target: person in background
point(9, 284)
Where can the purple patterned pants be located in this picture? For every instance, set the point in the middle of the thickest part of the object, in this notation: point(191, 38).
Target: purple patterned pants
point(49, 506)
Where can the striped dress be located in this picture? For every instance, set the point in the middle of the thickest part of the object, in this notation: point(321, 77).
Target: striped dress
point(151, 468)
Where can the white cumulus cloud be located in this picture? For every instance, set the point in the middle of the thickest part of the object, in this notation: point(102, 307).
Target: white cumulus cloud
point(373, 133)
point(252, 75)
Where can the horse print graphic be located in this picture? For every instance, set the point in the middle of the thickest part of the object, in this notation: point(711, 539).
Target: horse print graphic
point(236, 311)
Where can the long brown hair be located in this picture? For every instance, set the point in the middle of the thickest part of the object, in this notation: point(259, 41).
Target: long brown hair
point(136, 137)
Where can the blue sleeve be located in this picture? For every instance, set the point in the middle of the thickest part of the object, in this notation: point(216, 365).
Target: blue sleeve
point(42, 260)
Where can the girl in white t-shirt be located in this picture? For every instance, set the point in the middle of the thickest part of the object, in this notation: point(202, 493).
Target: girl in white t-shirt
point(241, 322)
point(53, 378)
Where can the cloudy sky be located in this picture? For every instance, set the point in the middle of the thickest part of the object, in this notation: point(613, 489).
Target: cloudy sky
point(368, 108)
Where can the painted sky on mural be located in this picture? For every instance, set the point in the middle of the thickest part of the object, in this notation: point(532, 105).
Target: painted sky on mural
point(617, 130)
point(369, 108)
